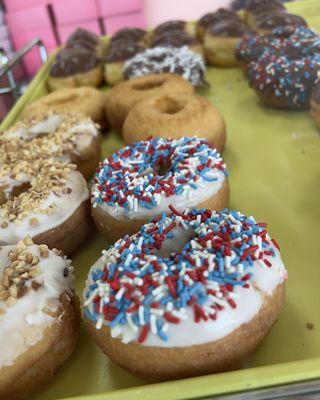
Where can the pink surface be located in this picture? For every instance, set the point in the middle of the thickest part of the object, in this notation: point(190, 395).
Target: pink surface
point(30, 18)
point(15, 5)
point(32, 61)
point(108, 8)
point(3, 33)
point(134, 20)
point(157, 11)
point(65, 31)
point(73, 11)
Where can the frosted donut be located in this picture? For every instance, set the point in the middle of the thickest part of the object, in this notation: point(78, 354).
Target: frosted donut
point(125, 95)
point(191, 293)
point(39, 317)
point(175, 115)
point(70, 137)
point(46, 199)
point(86, 100)
point(143, 180)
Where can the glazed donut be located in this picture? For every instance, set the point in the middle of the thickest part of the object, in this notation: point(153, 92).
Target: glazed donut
point(73, 67)
point(118, 52)
point(191, 293)
point(67, 136)
point(222, 14)
point(125, 95)
point(143, 180)
point(86, 100)
point(315, 104)
point(39, 317)
point(220, 41)
point(181, 61)
point(285, 83)
point(175, 115)
point(174, 26)
point(47, 200)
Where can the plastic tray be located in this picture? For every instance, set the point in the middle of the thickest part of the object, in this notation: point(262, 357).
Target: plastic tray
point(274, 161)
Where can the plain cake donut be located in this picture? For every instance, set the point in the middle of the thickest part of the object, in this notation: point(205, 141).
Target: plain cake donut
point(149, 177)
point(191, 293)
point(39, 317)
point(175, 115)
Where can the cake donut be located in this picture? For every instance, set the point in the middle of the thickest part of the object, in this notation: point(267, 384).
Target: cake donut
point(86, 100)
point(150, 177)
point(222, 14)
point(175, 115)
point(47, 200)
point(315, 104)
point(180, 61)
point(191, 293)
point(283, 82)
point(125, 95)
point(39, 317)
point(67, 136)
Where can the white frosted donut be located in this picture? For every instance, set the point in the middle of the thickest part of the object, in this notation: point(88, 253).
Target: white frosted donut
point(191, 293)
point(39, 316)
point(143, 180)
point(67, 136)
point(46, 199)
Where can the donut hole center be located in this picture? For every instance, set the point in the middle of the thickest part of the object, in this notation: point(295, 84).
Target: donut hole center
point(162, 168)
point(168, 105)
point(172, 246)
point(148, 85)
point(16, 191)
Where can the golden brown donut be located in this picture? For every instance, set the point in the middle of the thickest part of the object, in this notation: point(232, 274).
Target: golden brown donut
point(125, 95)
point(93, 78)
point(177, 320)
point(175, 115)
point(86, 100)
point(39, 314)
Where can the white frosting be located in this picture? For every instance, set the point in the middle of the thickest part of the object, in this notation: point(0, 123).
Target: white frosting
point(188, 333)
point(23, 324)
point(64, 207)
point(187, 199)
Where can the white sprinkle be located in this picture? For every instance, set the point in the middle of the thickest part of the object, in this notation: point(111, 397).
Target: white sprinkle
point(120, 293)
point(99, 323)
point(141, 315)
point(116, 331)
point(131, 324)
point(153, 324)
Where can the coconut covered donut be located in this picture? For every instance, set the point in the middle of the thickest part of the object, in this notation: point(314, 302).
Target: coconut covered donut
point(39, 317)
point(86, 100)
point(47, 199)
point(175, 115)
point(67, 136)
point(191, 293)
point(180, 61)
point(125, 95)
point(149, 177)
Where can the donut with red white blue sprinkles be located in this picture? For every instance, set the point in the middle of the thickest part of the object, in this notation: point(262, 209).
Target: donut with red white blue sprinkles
point(149, 177)
point(191, 293)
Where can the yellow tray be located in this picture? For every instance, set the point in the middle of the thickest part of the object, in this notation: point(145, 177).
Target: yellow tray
point(274, 161)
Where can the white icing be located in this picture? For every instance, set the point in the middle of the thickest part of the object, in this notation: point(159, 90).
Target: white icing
point(64, 207)
point(187, 199)
point(188, 333)
point(23, 324)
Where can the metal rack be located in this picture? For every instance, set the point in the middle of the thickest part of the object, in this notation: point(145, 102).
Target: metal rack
point(8, 64)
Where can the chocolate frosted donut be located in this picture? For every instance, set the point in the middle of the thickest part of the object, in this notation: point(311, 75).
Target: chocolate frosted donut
point(211, 18)
point(177, 39)
point(275, 20)
point(84, 35)
point(181, 61)
point(72, 61)
point(174, 26)
point(253, 4)
point(128, 35)
point(122, 50)
point(228, 28)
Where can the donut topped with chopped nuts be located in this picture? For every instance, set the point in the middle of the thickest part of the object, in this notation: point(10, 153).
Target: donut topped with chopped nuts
point(32, 281)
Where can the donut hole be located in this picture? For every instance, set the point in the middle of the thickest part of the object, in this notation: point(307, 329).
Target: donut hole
point(155, 83)
point(169, 105)
point(162, 168)
point(172, 246)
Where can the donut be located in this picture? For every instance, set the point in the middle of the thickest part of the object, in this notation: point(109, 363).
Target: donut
point(135, 35)
point(73, 67)
point(39, 317)
point(315, 104)
point(174, 26)
point(86, 100)
point(175, 115)
point(125, 95)
point(257, 8)
point(82, 38)
point(220, 41)
point(222, 14)
point(46, 199)
point(191, 293)
point(118, 52)
point(285, 83)
point(180, 61)
point(150, 177)
point(67, 136)
point(178, 39)
point(275, 20)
